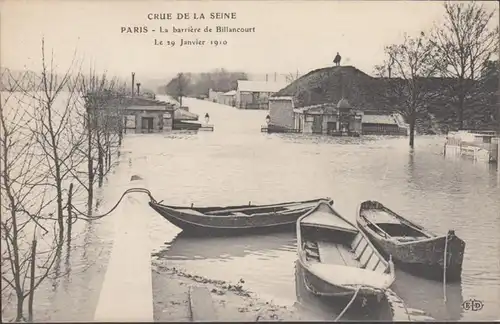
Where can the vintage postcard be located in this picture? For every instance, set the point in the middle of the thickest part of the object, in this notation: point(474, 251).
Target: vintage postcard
point(239, 161)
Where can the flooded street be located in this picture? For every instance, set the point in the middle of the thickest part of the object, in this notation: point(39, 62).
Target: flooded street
point(237, 163)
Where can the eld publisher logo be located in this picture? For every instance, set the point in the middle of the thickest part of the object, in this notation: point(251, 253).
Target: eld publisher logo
point(472, 305)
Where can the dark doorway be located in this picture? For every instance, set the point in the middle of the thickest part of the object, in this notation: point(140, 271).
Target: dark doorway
point(317, 127)
point(147, 124)
point(331, 127)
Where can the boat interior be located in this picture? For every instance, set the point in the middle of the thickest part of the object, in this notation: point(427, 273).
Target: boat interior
point(249, 210)
point(385, 224)
point(332, 246)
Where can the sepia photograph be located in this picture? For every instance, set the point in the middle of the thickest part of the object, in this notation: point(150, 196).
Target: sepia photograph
point(249, 161)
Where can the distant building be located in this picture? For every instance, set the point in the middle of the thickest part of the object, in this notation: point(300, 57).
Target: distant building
point(376, 123)
point(215, 96)
point(155, 117)
point(328, 118)
point(228, 98)
point(255, 94)
point(144, 115)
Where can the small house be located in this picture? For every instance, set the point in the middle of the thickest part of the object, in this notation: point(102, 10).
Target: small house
point(155, 117)
point(228, 98)
point(214, 96)
point(376, 123)
point(328, 118)
point(255, 94)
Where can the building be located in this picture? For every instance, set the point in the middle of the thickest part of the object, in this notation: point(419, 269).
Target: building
point(376, 123)
point(330, 119)
point(281, 115)
point(214, 96)
point(148, 116)
point(255, 94)
point(228, 98)
point(144, 115)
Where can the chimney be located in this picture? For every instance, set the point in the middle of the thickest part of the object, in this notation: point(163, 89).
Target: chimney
point(267, 76)
point(133, 79)
point(138, 88)
point(275, 74)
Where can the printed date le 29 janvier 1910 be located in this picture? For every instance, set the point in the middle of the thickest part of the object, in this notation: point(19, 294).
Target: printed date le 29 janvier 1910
point(189, 42)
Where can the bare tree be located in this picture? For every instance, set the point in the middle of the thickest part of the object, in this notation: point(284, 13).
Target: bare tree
point(56, 129)
point(100, 112)
point(465, 42)
point(414, 64)
point(24, 204)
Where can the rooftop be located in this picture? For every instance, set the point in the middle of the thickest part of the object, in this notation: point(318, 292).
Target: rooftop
point(230, 93)
point(379, 119)
point(260, 86)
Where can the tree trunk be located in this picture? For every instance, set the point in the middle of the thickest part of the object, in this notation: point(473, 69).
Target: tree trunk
point(100, 163)
point(461, 100)
point(19, 310)
point(32, 282)
point(90, 162)
point(413, 120)
point(70, 211)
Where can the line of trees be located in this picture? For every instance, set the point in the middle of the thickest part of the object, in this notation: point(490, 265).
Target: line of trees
point(59, 135)
point(452, 60)
point(198, 85)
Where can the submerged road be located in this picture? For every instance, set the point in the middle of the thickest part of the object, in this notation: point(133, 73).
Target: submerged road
point(127, 291)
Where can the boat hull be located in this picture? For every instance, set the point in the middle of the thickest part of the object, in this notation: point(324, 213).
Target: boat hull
point(423, 258)
point(324, 289)
point(203, 225)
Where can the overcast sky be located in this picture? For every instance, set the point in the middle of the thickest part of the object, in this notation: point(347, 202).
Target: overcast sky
point(289, 35)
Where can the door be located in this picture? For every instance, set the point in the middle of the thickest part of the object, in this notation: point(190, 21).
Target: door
point(317, 127)
point(147, 124)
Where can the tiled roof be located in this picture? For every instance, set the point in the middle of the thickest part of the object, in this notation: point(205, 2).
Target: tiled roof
point(260, 86)
point(181, 114)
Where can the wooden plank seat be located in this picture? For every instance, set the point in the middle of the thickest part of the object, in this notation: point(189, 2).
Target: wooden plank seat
point(334, 253)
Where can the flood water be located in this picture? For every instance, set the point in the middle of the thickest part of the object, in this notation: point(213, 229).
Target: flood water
point(237, 163)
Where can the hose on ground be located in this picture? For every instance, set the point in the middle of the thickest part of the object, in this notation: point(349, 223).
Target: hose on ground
point(131, 190)
point(348, 305)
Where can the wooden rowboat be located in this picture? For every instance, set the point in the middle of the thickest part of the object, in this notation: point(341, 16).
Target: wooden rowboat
point(233, 220)
point(338, 259)
point(412, 247)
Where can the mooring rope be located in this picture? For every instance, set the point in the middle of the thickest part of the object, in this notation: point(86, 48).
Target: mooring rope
point(445, 259)
point(131, 190)
point(348, 305)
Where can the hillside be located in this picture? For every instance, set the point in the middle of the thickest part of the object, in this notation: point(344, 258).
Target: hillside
point(369, 93)
point(324, 85)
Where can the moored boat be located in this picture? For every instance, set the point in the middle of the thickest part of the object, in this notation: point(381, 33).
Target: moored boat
point(232, 220)
point(338, 259)
point(412, 247)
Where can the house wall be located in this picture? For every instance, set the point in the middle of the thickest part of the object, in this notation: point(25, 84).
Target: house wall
point(252, 100)
point(356, 126)
point(382, 129)
point(228, 100)
point(308, 124)
point(215, 96)
point(244, 99)
point(168, 120)
point(281, 113)
point(157, 121)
